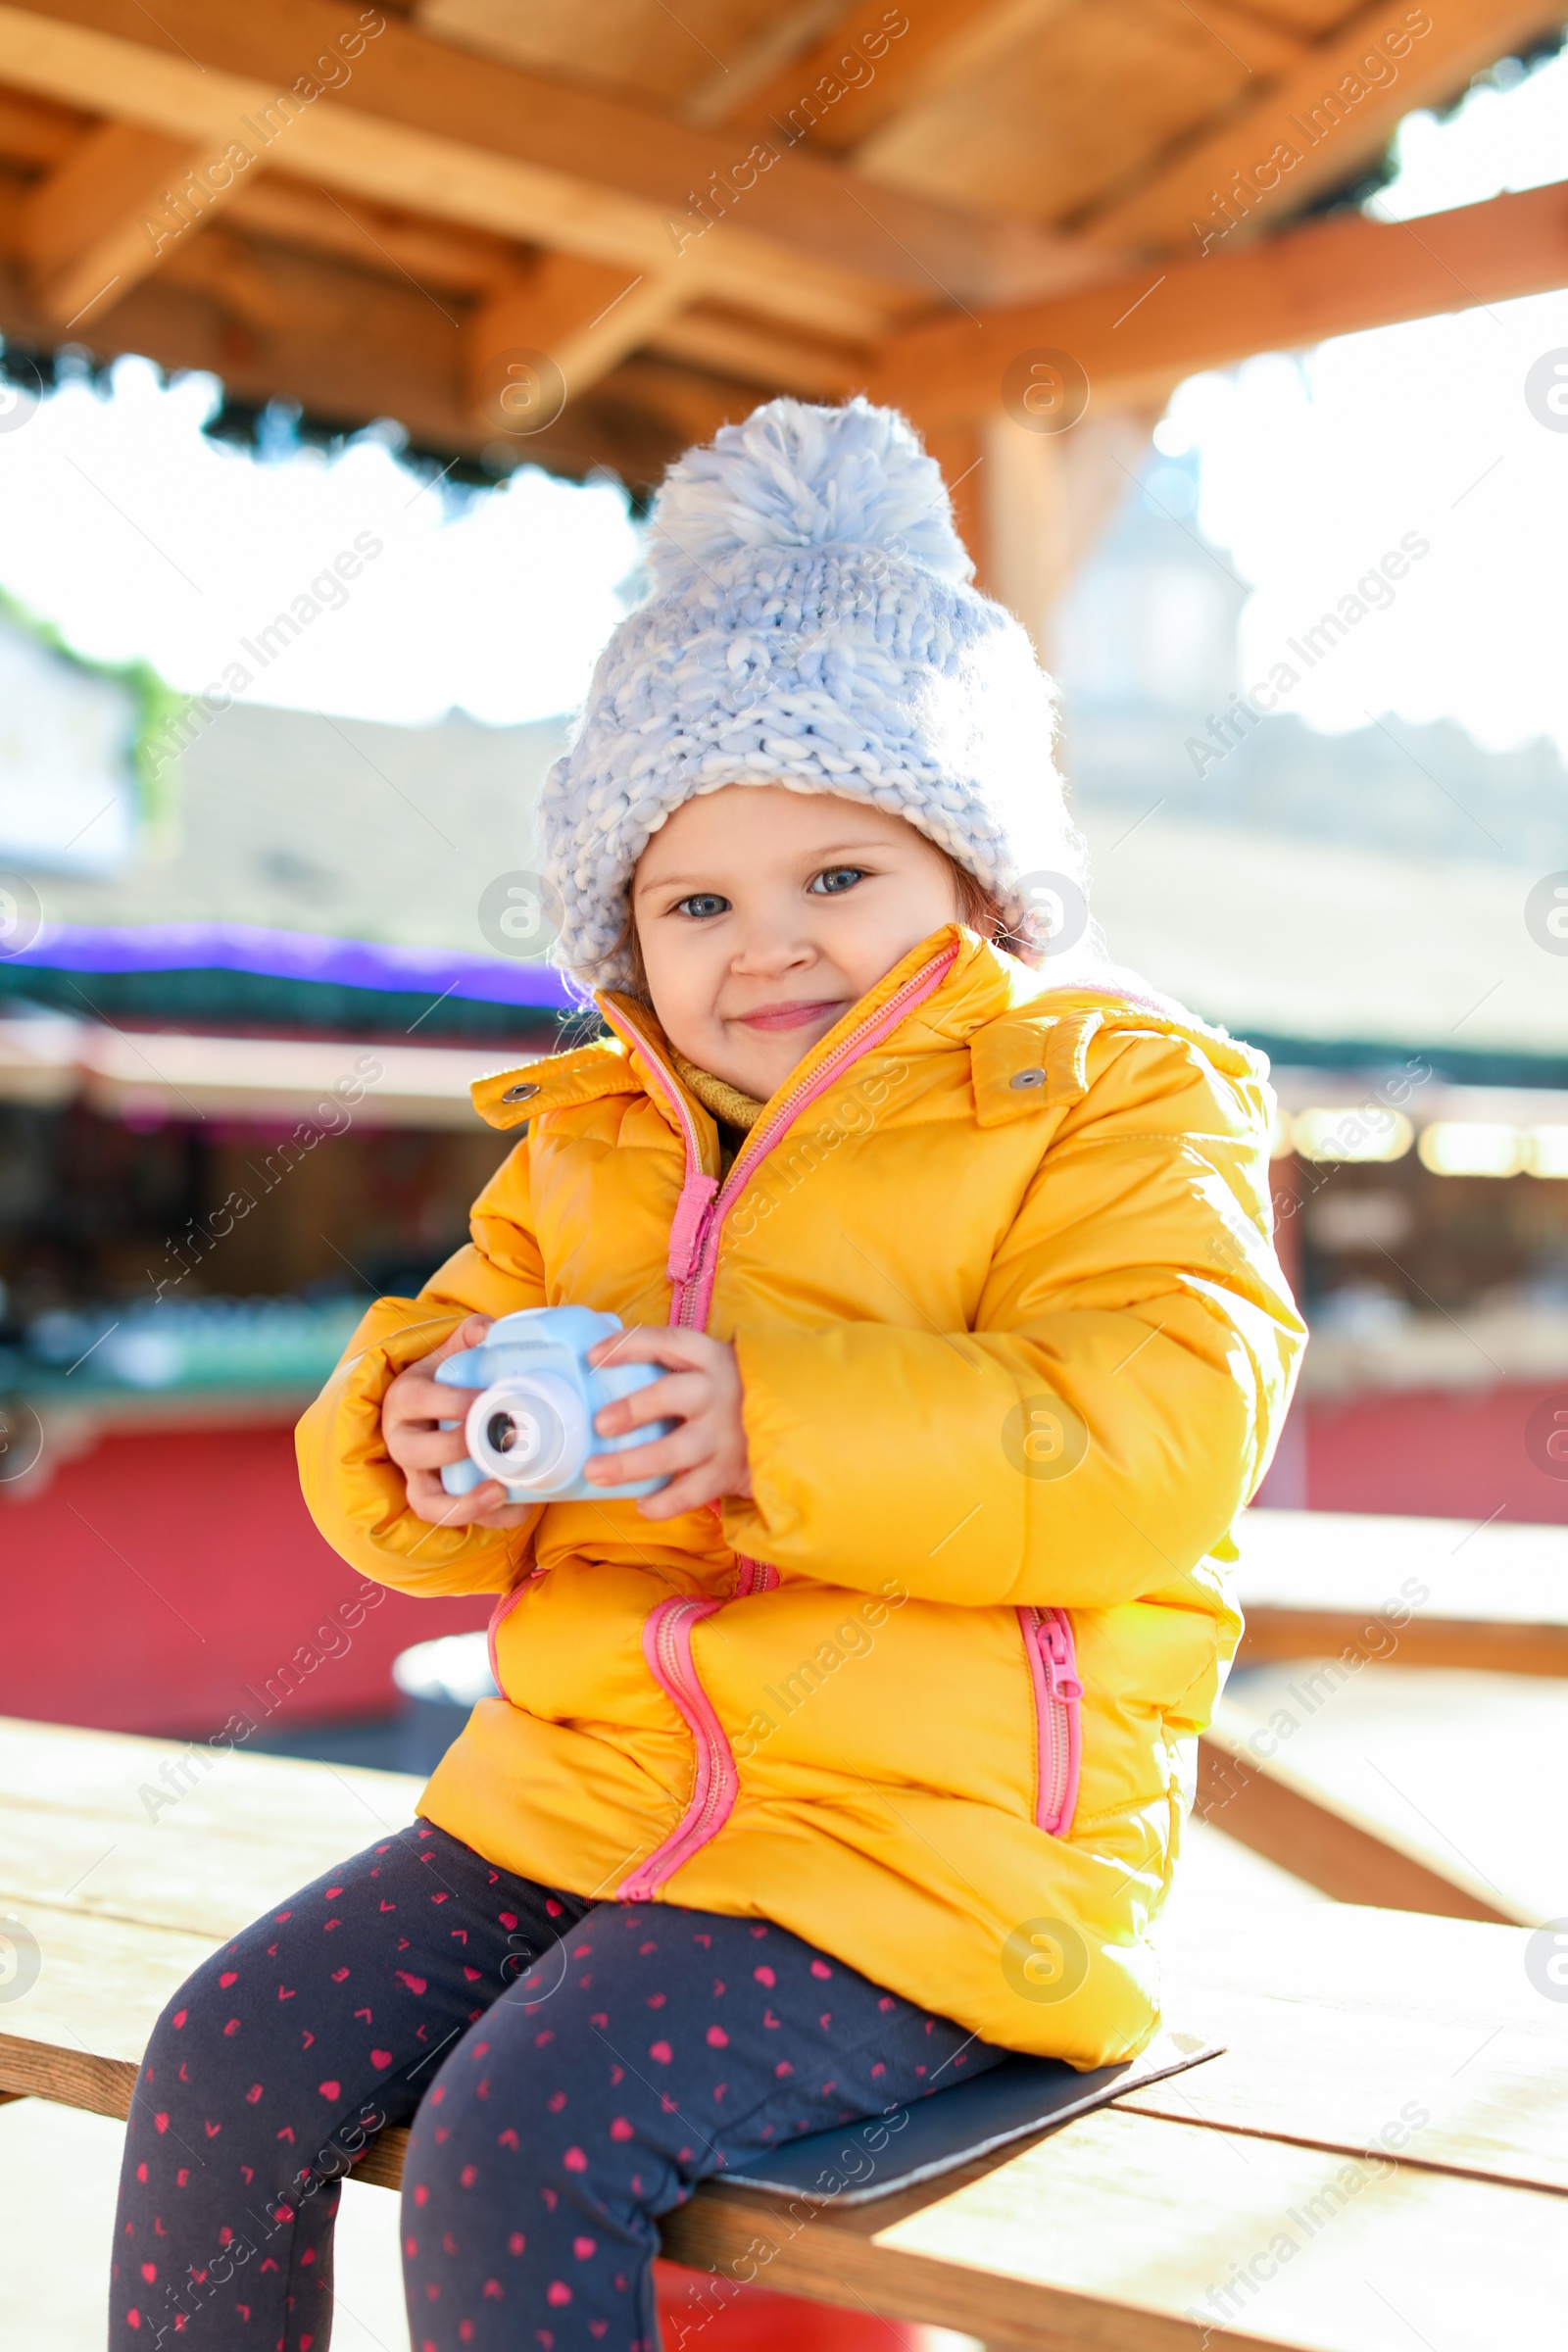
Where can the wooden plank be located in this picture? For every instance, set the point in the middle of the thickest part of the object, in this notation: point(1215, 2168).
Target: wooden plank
point(583, 317)
point(418, 122)
point(1096, 99)
point(373, 236)
point(1334, 277)
point(1125, 2232)
point(1353, 1858)
point(200, 1880)
point(391, 354)
point(1541, 1648)
point(1403, 1590)
point(1335, 2018)
point(1326, 2043)
point(1425, 1760)
point(1351, 2031)
point(86, 228)
point(192, 1875)
point(1133, 2232)
point(940, 43)
point(76, 2035)
point(176, 1836)
point(616, 44)
point(34, 132)
point(731, 344)
point(1311, 114)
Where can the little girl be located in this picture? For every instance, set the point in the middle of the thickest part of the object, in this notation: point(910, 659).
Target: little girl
point(855, 1755)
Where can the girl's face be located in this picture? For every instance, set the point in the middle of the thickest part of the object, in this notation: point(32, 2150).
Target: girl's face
point(763, 914)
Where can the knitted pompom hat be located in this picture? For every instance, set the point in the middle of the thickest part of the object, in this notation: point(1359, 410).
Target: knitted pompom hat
point(809, 624)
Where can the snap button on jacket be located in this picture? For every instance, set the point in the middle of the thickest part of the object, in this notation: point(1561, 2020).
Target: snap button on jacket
point(1014, 1356)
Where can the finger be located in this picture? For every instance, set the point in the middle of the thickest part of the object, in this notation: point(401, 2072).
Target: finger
point(416, 1399)
point(417, 1448)
point(469, 1334)
point(653, 1344)
point(678, 1397)
point(692, 1493)
point(430, 1500)
point(510, 1514)
point(487, 1507)
point(692, 1443)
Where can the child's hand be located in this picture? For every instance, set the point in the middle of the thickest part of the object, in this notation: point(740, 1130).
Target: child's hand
point(706, 1453)
point(411, 1411)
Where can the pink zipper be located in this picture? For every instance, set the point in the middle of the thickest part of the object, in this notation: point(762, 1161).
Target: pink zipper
point(1054, 1671)
point(704, 1203)
point(667, 1647)
point(699, 1218)
point(497, 1616)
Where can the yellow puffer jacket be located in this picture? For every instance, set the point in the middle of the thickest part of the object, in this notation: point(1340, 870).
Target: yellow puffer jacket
point(1014, 1346)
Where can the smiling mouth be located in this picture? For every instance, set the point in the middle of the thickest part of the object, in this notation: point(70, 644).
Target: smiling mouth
point(771, 1017)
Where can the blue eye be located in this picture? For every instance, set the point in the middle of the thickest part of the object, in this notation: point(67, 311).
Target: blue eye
point(702, 905)
point(835, 879)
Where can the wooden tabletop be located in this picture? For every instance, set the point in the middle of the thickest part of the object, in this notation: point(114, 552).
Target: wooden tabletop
point(1408, 1591)
point(1380, 2159)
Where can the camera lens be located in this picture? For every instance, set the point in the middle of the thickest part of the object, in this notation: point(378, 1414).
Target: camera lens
point(525, 1432)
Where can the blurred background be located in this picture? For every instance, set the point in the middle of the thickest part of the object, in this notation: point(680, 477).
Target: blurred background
point(322, 481)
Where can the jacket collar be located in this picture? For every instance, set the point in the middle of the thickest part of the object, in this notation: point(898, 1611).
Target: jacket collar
point(988, 1001)
point(638, 1058)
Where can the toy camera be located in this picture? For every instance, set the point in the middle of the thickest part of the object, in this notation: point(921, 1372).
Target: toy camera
point(532, 1424)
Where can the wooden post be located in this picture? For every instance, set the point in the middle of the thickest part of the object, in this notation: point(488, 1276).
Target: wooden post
point(1029, 506)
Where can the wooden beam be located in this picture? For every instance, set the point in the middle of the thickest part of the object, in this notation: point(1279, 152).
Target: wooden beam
point(350, 346)
point(374, 237)
point(581, 318)
point(960, 450)
point(1332, 114)
point(245, 284)
point(105, 216)
point(34, 132)
point(1143, 332)
point(755, 351)
point(1045, 499)
point(368, 106)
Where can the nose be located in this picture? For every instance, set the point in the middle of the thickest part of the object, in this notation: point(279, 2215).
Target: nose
point(770, 948)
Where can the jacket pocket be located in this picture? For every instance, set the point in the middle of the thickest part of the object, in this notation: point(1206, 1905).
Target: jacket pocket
point(667, 1647)
point(1057, 1694)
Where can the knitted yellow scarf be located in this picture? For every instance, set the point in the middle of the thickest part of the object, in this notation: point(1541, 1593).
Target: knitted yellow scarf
point(736, 1113)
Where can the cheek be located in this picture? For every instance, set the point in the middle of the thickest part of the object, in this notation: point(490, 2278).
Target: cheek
point(685, 966)
point(885, 928)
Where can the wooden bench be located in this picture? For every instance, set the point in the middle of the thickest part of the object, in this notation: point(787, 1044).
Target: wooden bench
point(1379, 2158)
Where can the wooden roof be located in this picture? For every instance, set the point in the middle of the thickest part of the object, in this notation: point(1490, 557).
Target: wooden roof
point(586, 234)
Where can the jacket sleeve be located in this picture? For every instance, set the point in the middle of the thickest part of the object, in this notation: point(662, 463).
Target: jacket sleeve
point(353, 1488)
point(1113, 1406)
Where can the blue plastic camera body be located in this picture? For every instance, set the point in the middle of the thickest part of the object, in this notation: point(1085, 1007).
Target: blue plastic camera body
point(532, 1424)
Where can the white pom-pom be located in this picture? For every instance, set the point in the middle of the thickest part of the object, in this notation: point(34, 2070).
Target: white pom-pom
point(797, 475)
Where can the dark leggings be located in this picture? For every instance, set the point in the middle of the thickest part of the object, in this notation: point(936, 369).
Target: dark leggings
point(571, 2070)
